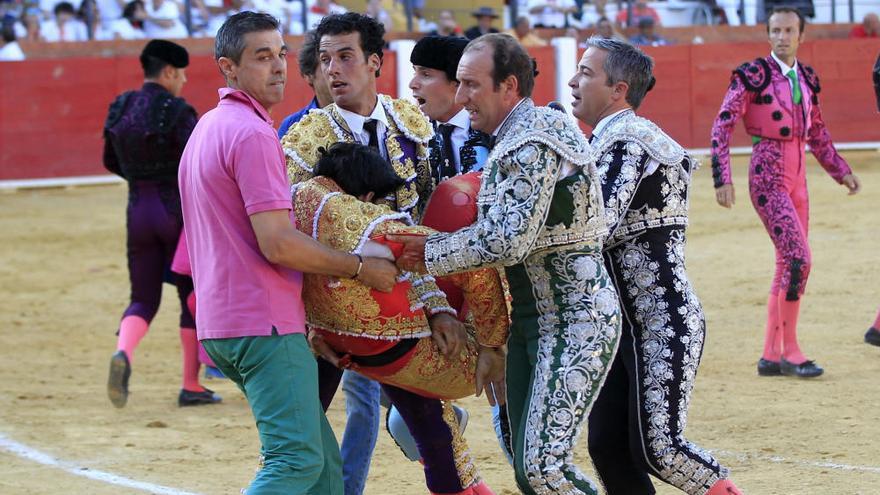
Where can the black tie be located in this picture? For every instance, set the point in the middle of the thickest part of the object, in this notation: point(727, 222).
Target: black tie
point(370, 127)
point(592, 137)
point(447, 158)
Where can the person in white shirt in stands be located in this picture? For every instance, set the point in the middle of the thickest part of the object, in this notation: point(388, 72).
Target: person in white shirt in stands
point(110, 11)
point(28, 28)
point(163, 20)
point(551, 13)
point(378, 12)
point(289, 13)
point(320, 9)
point(209, 15)
point(65, 26)
point(10, 51)
point(131, 26)
point(47, 7)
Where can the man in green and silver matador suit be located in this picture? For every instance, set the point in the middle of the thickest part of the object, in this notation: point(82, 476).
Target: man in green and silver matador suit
point(541, 218)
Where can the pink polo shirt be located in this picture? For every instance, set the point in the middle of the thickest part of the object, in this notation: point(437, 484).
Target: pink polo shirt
point(233, 167)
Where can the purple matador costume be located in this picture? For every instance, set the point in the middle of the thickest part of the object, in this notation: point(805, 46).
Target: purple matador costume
point(144, 137)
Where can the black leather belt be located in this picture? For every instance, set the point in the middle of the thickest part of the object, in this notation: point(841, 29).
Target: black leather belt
point(388, 356)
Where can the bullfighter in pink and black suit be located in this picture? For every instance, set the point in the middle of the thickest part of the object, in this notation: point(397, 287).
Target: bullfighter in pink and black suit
point(777, 98)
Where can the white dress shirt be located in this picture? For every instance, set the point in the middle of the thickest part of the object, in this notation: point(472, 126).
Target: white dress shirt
point(785, 68)
point(460, 134)
point(356, 126)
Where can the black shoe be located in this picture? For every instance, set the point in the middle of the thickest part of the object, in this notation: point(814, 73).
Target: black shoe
point(873, 336)
point(190, 398)
point(117, 384)
point(768, 368)
point(807, 369)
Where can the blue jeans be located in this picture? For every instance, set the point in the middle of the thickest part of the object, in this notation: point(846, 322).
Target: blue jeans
point(361, 429)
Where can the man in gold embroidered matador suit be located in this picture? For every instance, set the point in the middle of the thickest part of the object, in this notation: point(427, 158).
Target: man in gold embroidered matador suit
point(637, 424)
point(385, 336)
point(350, 54)
point(541, 218)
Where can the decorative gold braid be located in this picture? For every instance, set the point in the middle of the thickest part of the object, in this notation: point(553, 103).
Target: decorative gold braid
point(464, 463)
point(484, 292)
point(302, 142)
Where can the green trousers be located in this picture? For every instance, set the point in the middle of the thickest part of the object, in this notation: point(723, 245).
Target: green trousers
point(279, 377)
point(564, 333)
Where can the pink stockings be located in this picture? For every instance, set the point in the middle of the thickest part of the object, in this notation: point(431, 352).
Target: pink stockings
point(132, 330)
point(780, 339)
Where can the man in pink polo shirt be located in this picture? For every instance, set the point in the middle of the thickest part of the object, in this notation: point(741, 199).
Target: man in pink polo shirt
point(247, 260)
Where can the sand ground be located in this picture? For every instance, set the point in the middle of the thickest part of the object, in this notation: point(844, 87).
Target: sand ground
point(64, 285)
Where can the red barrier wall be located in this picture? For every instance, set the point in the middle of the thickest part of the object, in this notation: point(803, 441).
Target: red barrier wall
point(52, 111)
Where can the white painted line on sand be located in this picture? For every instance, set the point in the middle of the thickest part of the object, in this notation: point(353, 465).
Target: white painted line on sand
point(782, 460)
point(31, 454)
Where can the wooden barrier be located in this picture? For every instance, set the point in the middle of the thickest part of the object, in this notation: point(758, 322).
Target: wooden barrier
point(52, 111)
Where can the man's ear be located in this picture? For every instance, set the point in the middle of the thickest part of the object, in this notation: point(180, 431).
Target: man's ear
point(168, 72)
point(620, 90)
point(374, 62)
point(369, 197)
point(227, 68)
point(512, 85)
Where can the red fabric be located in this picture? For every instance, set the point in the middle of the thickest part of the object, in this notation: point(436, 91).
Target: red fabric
point(860, 32)
point(478, 489)
point(453, 204)
point(637, 14)
point(724, 487)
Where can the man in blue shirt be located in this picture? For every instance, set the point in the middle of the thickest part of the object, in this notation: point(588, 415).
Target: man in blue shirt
point(308, 69)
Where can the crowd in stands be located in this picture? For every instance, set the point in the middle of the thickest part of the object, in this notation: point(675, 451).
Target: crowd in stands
point(82, 20)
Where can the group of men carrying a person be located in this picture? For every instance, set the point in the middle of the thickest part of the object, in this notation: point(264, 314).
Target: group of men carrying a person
point(388, 261)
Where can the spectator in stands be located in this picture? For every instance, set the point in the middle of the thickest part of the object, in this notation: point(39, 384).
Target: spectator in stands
point(110, 11)
point(29, 28)
point(10, 12)
point(65, 26)
point(320, 9)
point(446, 25)
point(209, 15)
point(378, 12)
point(163, 20)
point(131, 26)
point(639, 10)
point(9, 50)
point(90, 17)
point(606, 29)
point(485, 16)
point(647, 36)
point(869, 28)
point(289, 13)
point(524, 34)
point(551, 13)
point(420, 24)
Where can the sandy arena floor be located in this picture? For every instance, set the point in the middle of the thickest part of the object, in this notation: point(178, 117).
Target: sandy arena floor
point(64, 285)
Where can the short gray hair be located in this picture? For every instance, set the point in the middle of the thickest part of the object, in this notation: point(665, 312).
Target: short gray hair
point(626, 63)
point(229, 41)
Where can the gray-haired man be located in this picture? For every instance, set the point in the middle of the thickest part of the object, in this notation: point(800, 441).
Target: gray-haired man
point(248, 259)
point(637, 423)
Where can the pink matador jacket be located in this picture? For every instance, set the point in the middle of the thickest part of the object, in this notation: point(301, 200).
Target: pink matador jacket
point(360, 322)
point(761, 94)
